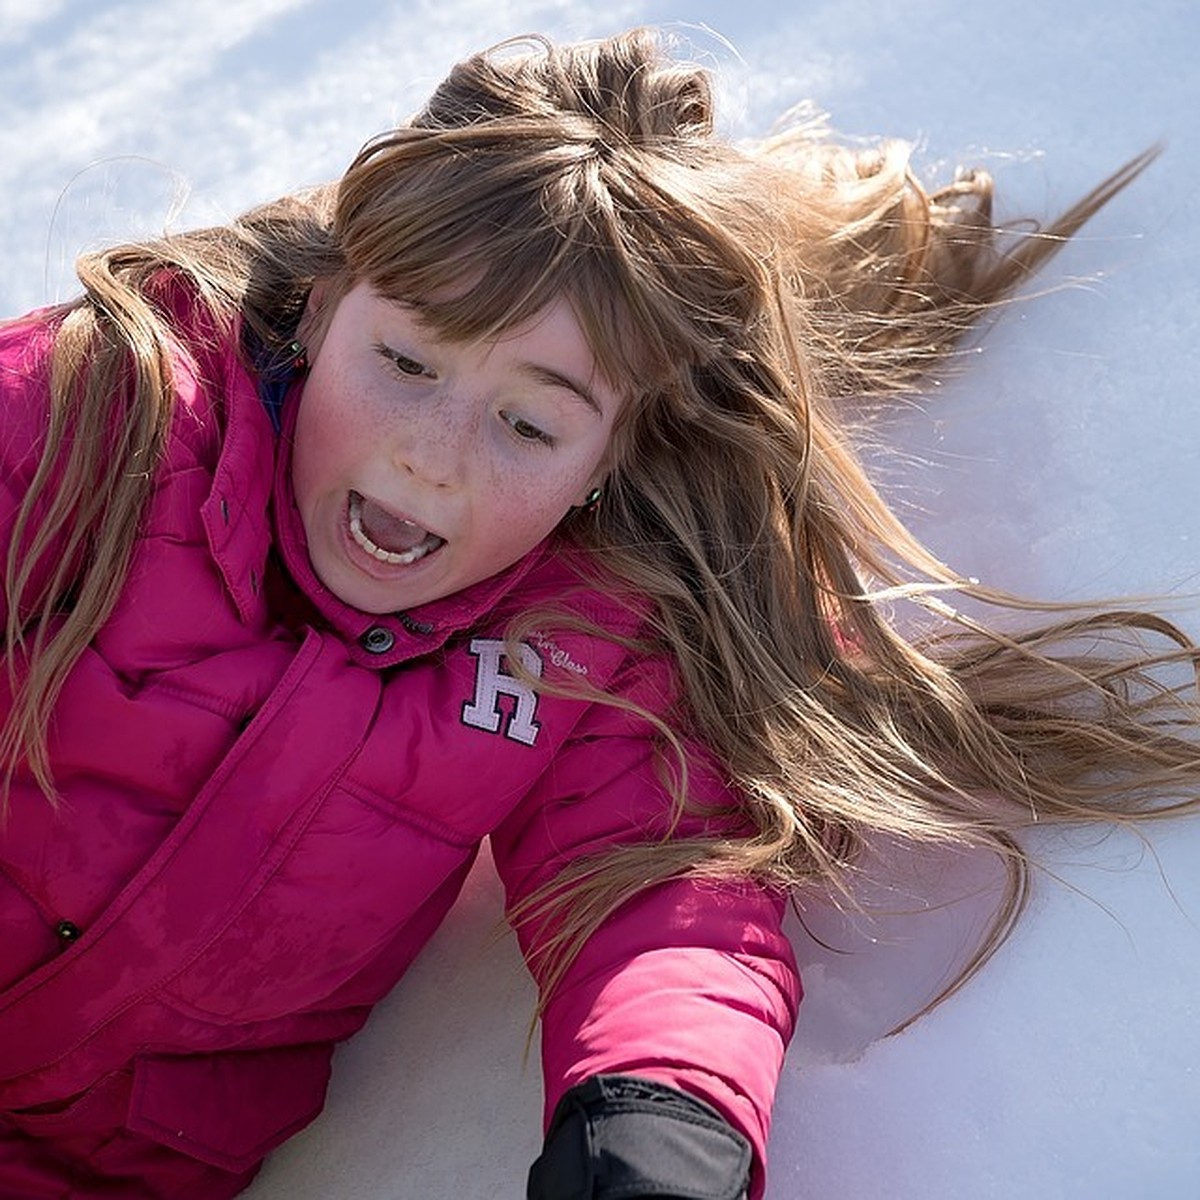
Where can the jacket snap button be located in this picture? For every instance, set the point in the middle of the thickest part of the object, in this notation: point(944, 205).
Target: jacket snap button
point(377, 640)
point(68, 931)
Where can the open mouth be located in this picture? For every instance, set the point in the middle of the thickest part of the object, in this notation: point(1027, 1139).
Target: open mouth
point(386, 537)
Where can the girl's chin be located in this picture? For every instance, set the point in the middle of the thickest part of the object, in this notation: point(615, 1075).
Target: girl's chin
point(376, 595)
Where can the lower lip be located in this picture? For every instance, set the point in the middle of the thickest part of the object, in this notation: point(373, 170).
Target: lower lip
point(368, 564)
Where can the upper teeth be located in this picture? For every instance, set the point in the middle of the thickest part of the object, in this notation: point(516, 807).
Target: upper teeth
point(404, 558)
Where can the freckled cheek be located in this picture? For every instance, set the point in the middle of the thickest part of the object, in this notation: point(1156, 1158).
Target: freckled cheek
point(342, 417)
point(535, 500)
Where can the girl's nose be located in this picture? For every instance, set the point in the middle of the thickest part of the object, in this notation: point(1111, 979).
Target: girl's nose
point(435, 439)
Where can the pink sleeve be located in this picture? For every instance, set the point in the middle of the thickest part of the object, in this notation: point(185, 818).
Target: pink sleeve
point(25, 352)
point(24, 416)
point(691, 984)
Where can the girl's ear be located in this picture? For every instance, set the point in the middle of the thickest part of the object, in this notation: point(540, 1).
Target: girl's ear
point(314, 320)
point(591, 499)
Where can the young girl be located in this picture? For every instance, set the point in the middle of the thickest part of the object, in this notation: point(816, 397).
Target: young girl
point(502, 490)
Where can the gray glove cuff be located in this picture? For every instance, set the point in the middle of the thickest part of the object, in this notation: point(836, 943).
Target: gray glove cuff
point(617, 1137)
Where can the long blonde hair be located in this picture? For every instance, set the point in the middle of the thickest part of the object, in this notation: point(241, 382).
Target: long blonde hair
point(740, 297)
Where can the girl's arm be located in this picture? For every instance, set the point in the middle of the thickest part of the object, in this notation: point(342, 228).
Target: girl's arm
point(690, 985)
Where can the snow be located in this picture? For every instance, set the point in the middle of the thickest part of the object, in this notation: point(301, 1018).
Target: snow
point(1063, 461)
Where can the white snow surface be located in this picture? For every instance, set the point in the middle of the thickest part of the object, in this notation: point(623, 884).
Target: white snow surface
point(1063, 461)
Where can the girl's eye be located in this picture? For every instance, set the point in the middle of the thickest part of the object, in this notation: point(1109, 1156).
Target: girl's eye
point(526, 431)
point(403, 364)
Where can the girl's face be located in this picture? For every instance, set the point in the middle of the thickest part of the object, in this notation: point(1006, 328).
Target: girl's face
point(421, 466)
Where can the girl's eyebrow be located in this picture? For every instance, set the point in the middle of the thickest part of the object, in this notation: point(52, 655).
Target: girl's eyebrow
point(557, 379)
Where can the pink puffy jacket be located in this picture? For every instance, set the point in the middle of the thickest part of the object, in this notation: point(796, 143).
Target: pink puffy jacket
point(264, 819)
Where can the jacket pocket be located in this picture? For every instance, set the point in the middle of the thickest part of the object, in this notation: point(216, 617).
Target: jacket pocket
point(99, 1110)
point(231, 1109)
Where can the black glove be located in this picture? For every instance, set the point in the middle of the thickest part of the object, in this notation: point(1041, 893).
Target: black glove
point(617, 1137)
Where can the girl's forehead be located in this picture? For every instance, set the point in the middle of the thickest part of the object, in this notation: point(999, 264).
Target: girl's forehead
point(474, 308)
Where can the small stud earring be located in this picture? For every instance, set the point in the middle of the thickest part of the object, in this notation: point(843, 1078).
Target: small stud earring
point(591, 501)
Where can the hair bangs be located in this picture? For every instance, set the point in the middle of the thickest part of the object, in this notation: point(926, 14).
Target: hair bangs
point(482, 240)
